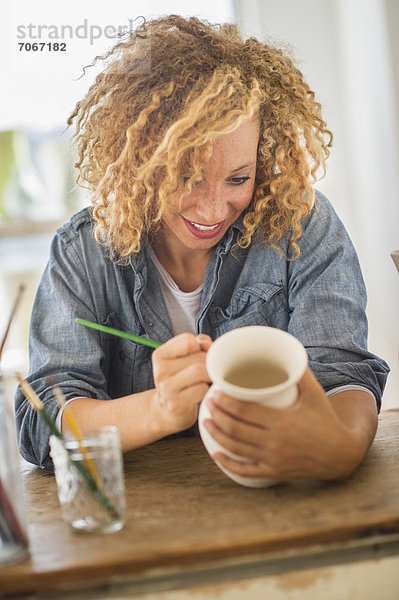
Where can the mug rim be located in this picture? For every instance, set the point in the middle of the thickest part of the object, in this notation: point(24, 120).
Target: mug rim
point(236, 390)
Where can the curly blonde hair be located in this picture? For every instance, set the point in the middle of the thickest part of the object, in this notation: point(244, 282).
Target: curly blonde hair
point(147, 125)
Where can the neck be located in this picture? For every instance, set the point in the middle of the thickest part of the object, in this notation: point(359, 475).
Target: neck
point(186, 267)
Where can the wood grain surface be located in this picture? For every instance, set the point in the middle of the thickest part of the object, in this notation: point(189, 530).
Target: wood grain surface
point(182, 510)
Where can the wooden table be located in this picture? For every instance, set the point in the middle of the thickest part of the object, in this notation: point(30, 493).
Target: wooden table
point(194, 532)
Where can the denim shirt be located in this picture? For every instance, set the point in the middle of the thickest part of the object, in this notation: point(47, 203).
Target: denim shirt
point(320, 298)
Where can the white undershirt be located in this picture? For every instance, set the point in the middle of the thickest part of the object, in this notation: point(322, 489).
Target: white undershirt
point(183, 307)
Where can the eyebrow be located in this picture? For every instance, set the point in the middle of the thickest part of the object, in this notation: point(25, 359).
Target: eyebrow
point(243, 166)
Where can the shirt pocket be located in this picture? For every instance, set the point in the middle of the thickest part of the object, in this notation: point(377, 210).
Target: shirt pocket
point(129, 364)
point(259, 304)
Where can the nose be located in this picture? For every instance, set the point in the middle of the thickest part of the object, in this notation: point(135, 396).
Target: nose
point(212, 205)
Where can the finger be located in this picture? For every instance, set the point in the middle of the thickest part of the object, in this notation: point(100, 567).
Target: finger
point(164, 369)
point(178, 346)
point(238, 429)
point(205, 341)
point(234, 445)
point(189, 397)
point(254, 469)
point(191, 375)
point(250, 412)
point(262, 469)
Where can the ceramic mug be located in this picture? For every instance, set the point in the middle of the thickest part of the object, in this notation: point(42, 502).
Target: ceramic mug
point(256, 364)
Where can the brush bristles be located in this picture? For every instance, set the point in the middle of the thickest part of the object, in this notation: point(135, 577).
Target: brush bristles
point(30, 394)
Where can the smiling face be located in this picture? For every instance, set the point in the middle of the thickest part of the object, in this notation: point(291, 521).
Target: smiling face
point(199, 221)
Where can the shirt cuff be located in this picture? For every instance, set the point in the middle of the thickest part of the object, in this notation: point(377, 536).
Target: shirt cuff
point(58, 420)
point(345, 388)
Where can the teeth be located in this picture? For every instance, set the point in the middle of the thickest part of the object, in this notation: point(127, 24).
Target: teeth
point(204, 227)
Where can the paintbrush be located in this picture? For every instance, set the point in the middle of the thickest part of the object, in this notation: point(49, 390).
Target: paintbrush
point(38, 405)
point(59, 396)
point(17, 300)
point(10, 528)
point(123, 334)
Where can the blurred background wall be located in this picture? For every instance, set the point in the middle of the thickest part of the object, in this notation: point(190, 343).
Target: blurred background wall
point(349, 53)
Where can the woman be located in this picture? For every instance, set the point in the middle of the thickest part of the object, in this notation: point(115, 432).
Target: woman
point(200, 150)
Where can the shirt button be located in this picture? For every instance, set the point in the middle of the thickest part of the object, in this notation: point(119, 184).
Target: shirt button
point(122, 355)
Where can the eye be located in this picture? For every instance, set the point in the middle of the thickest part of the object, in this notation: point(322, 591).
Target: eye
point(239, 180)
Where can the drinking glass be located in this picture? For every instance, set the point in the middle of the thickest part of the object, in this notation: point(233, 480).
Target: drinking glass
point(90, 480)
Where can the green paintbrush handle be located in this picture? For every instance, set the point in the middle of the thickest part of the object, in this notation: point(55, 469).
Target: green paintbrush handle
point(123, 334)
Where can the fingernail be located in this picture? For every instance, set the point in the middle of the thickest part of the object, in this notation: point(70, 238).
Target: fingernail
point(215, 396)
point(216, 457)
point(210, 402)
point(202, 339)
point(207, 424)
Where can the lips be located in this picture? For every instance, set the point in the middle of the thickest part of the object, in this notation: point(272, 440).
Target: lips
point(203, 231)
